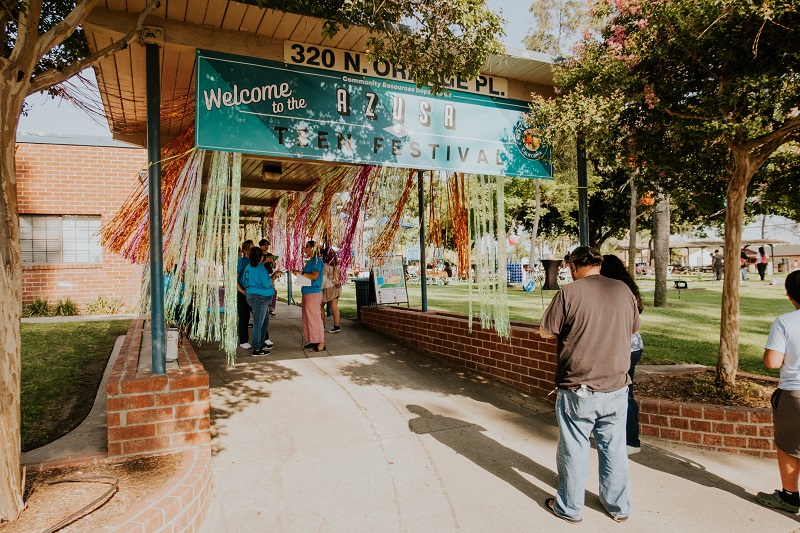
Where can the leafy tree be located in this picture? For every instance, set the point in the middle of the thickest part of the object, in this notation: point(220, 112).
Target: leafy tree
point(717, 78)
point(558, 25)
point(776, 187)
point(44, 47)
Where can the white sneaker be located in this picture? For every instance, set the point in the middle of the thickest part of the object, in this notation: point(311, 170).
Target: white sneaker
point(245, 345)
point(633, 450)
point(268, 344)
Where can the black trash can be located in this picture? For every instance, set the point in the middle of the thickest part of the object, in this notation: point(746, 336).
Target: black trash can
point(365, 294)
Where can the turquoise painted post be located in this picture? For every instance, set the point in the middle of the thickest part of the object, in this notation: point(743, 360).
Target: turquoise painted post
point(153, 69)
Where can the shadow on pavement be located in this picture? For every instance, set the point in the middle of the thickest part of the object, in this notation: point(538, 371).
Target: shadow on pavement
point(468, 440)
point(675, 465)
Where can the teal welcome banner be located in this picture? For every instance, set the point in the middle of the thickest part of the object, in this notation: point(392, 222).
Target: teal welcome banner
point(263, 107)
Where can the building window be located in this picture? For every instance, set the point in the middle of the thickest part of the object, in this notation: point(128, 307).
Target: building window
point(60, 239)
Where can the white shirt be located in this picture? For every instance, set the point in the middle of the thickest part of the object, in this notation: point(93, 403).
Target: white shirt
point(784, 337)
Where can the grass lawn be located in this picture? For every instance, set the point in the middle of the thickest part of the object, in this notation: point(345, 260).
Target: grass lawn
point(686, 331)
point(62, 365)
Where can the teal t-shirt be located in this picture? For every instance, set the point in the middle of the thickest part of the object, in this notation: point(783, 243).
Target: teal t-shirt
point(256, 280)
point(240, 266)
point(313, 265)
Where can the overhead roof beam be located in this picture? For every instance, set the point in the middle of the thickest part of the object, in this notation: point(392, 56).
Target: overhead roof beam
point(189, 35)
point(274, 185)
point(256, 202)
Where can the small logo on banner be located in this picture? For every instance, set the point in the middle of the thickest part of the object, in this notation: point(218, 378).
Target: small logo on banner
point(529, 143)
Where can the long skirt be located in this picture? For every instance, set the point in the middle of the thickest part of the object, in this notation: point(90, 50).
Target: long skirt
point(313, 327)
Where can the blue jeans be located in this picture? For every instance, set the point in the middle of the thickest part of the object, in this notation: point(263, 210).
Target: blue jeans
point(632, 425)
point(259, 306)
point(604, 414)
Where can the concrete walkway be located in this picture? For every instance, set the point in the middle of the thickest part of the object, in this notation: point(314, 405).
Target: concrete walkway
point(371, 436)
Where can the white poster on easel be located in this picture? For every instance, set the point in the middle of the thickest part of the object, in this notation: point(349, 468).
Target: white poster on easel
point(390, 281)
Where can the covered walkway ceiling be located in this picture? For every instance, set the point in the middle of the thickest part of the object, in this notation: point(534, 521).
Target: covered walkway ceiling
point(184, 26)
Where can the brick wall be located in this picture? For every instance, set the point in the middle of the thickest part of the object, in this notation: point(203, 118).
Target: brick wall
point(526, 361)
point(716, 427)
point(150, 415)
point(59, 179)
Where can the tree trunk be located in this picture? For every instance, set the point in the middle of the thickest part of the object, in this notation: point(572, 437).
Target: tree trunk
point(632, 231)
point(735, 196)
point(535, 229)
point(661, 247)
point(12, 95)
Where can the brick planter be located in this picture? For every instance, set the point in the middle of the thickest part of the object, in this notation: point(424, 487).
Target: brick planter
point(180, 505)
point(151, 415)
point(716, 427)
point(526, 361)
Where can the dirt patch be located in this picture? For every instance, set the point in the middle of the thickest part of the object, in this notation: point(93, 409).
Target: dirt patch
point(46, 505)
point(698, 387)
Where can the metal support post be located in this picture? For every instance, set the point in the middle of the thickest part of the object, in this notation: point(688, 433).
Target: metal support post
point(153, 70)
point(583, 195)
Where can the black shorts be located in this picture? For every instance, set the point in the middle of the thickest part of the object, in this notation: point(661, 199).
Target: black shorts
point(786, 418)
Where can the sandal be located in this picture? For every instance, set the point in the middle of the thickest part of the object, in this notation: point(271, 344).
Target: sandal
point(310, 345)
point(318, 349)
point(549, 504)
point(774, 501)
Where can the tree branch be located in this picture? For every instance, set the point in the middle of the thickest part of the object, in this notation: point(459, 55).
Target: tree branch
point(54, 77)
point(788, 127)
point(675, 114)
point(27, 31)
point(58, 33)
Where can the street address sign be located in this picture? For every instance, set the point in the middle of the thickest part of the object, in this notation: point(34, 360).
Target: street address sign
point(264, 107)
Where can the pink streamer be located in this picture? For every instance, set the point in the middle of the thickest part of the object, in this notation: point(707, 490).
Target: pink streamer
point(353, 209)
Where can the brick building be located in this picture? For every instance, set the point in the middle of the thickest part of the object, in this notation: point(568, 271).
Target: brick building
point(67, 189)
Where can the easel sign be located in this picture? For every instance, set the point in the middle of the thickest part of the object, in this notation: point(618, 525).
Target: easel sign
point(390, 281)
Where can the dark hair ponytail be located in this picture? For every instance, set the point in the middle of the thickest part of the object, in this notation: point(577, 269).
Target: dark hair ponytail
point(614, 268)
point(255, 256)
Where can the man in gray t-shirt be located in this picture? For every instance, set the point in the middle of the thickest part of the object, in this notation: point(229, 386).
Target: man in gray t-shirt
point(593, 318)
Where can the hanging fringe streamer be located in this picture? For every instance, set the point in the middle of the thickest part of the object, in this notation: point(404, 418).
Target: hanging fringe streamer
point(250, 231)
point(488, 232)
point(216, 256)
point(385, 242)
point(434, 238)
point(501, 318)
point(321, 214)
point(297, 230)
point(458, 212)
point(180, 242)
point(230, 340)
point(353, 210)
point(128, 232)
point(277, 231)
